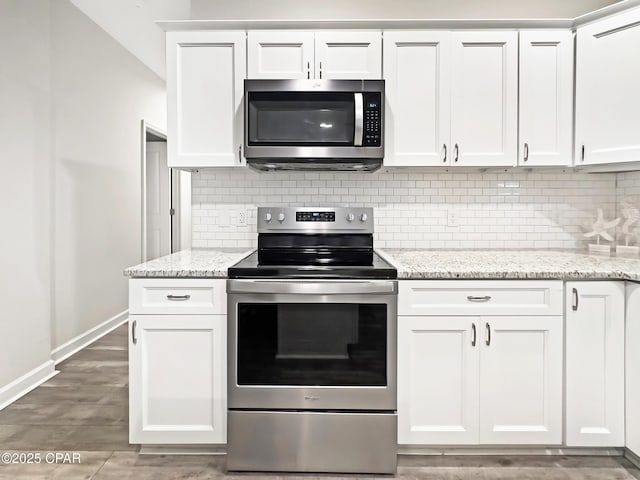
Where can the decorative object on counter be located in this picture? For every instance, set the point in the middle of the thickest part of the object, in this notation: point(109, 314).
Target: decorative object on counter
point(631, 215)
point(600, 228)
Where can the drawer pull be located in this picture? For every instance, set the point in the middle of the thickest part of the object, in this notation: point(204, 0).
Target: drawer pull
point(575, 299)
point(178, 298)
point(471, 298)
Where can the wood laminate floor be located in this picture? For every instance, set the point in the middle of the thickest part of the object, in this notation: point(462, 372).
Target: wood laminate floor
point(84, 409)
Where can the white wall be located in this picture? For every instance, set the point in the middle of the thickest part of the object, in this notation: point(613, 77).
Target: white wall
point(25, 245)
point(387, 9)
point(132, 24)
point(101, 93)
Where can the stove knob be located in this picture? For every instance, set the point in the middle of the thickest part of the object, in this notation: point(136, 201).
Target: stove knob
point(363, 217)
point(350, 217)
point(267, 217)
point(281, 217)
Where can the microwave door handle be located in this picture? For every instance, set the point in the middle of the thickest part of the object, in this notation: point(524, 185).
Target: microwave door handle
point(359, 111)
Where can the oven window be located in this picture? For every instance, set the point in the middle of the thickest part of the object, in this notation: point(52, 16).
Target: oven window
point(295, 119)
point(313, 344)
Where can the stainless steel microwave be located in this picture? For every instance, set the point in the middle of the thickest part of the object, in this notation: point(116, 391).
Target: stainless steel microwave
point(314, 124)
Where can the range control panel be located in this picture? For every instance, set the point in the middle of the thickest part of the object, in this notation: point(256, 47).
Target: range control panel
point(315, 219)
point(372, 119)
point(315, 216)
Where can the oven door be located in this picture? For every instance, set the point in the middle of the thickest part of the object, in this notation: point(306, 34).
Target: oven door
point(312, 344)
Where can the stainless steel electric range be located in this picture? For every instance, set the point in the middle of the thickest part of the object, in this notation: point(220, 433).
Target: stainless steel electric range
point(312, 347)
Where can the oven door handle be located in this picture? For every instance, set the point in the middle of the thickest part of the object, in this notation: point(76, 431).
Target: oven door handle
point(297, 287)
point(359, 119)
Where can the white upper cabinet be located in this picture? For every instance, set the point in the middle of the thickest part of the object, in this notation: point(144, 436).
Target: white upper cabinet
point(418, 97)
point(205, 75)
point(546, 97)
point(595, 364)
point(348, 55)
point(277, 54)
point(484, 98)
point(607, 93)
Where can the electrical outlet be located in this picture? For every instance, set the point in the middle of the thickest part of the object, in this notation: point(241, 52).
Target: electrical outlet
point(242, 218)
point(452, 218)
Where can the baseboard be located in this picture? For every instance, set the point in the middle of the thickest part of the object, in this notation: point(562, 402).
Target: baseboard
point(632, 457)
point(76, 344)
point(509, 450)
point(183, 450)
point(23, 385)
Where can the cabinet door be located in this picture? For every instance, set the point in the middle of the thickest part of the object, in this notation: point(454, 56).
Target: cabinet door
point(633, 369)
point(279, 54)
point(484, 98)
point(595, 364)
point(607, 94)
point(177, 379)
point(348, 55)
point(205, 75)
point(417, 113)
point(521, 380)
point(437, 380)
point(546, 97)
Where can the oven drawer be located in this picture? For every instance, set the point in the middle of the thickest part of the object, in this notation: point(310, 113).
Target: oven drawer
point(170, 296)
point(312, 442)
point(480, 297)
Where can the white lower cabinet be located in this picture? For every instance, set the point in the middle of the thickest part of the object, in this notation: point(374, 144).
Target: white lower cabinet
point(479, 379)
point(437, 380)
point(521, 380)
point(177, 379)
point(595, 391)
point(633, 367)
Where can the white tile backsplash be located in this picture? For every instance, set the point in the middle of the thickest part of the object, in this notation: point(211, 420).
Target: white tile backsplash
point(628, 190)
point(514, 209)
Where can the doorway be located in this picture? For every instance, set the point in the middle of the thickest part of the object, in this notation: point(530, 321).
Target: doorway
point(166, 199)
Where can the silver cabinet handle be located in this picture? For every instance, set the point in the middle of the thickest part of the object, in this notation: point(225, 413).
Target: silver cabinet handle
point(239, 153)
point(474, 335)
point(471, 298)
point(456, 151)
point(308, 71)
point(444, 155)
point(178, 298)
point(575, 299)
point(526, 151)
point(582, 154)
point(133, 332)
point(488, 340)
point(320, 70)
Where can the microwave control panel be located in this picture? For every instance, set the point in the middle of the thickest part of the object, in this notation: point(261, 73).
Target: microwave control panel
point(372, 119)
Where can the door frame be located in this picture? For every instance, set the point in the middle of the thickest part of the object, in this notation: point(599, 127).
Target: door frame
point(180, 196)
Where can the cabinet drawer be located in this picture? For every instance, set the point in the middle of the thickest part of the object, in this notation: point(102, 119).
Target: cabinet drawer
point(177, 296)
point(480, 297)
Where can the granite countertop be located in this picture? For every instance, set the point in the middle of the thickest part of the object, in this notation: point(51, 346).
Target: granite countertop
point(510, 264)
point(193, 263)
point(424, 264)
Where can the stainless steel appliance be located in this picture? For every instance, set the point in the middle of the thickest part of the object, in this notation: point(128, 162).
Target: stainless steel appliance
point(314, 124)
point(312, 346)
